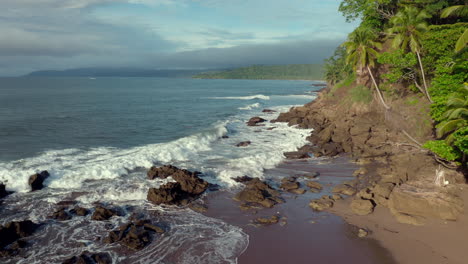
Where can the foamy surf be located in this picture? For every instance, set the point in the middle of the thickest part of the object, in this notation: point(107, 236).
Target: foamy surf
point(250, 97)
point(250, 107)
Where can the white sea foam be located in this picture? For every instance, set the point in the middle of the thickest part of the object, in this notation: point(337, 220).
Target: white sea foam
point(257, 96)
point(250, 107)
point(71, 167)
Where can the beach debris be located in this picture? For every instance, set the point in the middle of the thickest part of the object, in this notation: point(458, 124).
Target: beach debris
point(254, 121)
point(36, 180)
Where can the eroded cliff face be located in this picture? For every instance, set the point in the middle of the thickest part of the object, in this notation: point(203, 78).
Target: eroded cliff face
point(396, 172)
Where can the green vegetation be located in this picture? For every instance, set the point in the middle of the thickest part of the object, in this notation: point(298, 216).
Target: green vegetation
point(361, 94)
point(410, 48)
point(270, 72)
point(442, 149)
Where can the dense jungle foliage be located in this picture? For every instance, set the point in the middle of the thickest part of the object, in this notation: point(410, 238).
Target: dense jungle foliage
point(420, 45)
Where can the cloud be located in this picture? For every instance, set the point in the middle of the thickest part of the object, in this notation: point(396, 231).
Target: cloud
point(58, 34)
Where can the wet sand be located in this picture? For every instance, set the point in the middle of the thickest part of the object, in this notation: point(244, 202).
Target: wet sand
point(437, 242)
point(308, 236)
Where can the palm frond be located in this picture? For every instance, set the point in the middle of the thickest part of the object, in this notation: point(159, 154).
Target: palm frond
point(462, 42)
point(446, 127)
point(456, 10)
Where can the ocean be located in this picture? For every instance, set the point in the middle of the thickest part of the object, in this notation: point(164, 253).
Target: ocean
point(97, 137)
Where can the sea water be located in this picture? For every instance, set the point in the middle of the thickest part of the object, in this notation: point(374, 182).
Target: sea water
point(97, 138)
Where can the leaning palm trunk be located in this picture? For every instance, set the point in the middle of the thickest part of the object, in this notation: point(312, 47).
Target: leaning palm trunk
point(423, 77)
point(378, 90)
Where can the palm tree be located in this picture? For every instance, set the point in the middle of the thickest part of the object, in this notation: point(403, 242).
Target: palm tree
point(361, 54)
point(408, 26)
point(459, 11)
point(456, 116)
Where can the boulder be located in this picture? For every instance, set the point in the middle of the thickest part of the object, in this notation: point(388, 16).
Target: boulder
point(3, 191)
point(243, 144)
point(321, 204)
point(169, 193)
point(242, 179)
point(381, 192)
point(314, 186)
point(296, 155)
point(61, 215)
point(187, 186)
point(11, 235)
point(254, 121)
point(89, 258)
point(267, 220)
point(268, 111)
point(79, 211)
point(288, 186)
point(260, 193)
point(344, 189)
point(167, 171)
point(425, 200)
point(36, 180)
point(134, 235)
point(362, 207)
point(101, 213)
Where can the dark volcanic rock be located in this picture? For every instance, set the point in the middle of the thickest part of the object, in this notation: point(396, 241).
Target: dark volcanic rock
point(101, 213)
point(79, 211)
point(243, 144)
point(134, 235)
point(61, 215)
point(255, 120)
point(36, 180)
point(167, 171)
point(169, 193)
point(243, 179)
point(11, 234)
point(3, 191)
point(268, 111)
point(88, 258)
point(257, 192)
point(187, 186)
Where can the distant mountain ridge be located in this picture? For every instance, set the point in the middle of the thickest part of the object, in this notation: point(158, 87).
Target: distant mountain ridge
point(268, 72)
point(116, 72)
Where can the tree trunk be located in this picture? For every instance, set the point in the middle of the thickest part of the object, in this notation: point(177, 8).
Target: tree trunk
point(424, 77)
point(377, 88)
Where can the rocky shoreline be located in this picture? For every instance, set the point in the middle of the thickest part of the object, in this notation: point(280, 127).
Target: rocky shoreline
point(394, 174)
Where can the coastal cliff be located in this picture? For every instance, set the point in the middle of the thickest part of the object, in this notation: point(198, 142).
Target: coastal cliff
point(396, 173)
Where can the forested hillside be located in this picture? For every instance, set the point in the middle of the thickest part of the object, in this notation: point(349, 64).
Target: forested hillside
point(271, 72)
point(413, 51)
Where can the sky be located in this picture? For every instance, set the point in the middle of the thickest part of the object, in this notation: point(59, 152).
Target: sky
point(166, 34)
